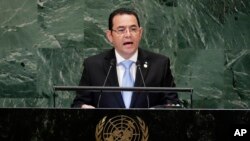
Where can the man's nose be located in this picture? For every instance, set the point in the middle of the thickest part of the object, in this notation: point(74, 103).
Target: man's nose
point(127, 32)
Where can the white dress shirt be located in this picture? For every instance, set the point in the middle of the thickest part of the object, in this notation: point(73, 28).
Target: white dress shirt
point(120, 69)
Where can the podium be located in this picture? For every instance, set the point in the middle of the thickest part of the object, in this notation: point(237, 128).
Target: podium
point(103, 89)
point(42, 124)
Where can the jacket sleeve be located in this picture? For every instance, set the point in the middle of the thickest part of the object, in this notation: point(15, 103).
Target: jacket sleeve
point(83, 97)
point(169, 97)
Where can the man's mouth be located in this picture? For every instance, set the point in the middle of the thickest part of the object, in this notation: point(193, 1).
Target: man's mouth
point(127, 43)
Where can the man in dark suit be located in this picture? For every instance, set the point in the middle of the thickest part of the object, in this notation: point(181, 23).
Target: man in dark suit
point(125, 34)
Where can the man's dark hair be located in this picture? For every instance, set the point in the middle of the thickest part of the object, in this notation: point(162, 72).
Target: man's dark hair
point(122, 11)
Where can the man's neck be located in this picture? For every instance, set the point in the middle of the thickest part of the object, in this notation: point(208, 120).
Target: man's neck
point(120, 58)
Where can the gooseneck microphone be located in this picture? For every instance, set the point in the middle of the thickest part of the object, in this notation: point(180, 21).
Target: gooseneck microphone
point(112, 63)
point(138, 64)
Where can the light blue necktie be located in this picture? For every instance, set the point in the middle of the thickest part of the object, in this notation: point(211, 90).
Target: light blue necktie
point(127, 81)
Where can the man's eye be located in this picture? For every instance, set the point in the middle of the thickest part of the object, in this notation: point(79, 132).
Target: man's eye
point(133, 29)
point(121, 30)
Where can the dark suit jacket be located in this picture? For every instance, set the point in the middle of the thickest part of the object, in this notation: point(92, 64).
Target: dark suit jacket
point(156, 74)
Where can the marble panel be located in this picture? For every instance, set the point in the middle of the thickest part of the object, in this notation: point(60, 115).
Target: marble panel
point(43, 43)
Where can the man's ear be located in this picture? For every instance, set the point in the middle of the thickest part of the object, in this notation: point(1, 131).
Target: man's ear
point(141, 31)
point(109, 36)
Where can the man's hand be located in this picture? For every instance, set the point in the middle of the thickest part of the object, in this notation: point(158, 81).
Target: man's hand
point(85, 106)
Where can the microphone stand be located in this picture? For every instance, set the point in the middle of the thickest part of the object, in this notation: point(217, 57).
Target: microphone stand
point(112, 62)
point(143, 81)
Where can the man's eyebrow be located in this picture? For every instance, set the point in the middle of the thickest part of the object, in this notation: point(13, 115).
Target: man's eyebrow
point(133, 25)
point(127, 26)
point(121, 27)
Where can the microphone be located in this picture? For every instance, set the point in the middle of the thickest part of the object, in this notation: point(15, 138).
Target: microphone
point(138, 64)
point(112, 63)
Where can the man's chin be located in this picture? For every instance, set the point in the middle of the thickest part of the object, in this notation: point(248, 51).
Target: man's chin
point(130, 52)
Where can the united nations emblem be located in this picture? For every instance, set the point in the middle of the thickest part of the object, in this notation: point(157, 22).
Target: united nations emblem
point(121, 128)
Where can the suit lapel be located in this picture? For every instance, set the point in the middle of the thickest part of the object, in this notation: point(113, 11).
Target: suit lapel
point(113, 79)
point(143, 59)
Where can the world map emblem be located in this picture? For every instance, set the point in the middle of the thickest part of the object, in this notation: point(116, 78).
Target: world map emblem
point(121, 128)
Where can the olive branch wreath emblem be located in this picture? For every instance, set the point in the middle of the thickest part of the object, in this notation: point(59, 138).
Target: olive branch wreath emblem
point(100, 126)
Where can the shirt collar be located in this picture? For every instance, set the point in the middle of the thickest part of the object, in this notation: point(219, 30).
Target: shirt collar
point(119, 58)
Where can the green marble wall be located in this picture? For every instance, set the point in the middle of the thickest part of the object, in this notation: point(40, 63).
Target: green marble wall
point(43, 43)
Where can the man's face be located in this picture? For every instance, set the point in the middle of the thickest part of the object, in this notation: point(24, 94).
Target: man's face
point(125, 35)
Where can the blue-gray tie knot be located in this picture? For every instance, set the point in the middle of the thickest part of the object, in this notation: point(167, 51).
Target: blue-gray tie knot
point(127, 64)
